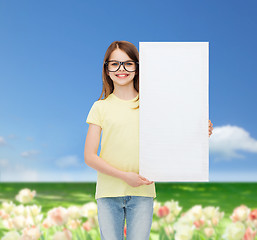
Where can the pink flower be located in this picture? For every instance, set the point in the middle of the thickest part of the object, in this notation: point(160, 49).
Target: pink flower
point(4, 215)
point(199, 223)
point(32, 233)
point(74, 223)
point(47, 223)
point(58, 216)
point(209, 231)
point(249, 234)
point(215, 221)
point(87, 226)
point(253, 214)
point(240, 213)
point(163, 211)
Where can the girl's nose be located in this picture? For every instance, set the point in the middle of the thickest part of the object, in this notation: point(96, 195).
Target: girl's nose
point(121, 67)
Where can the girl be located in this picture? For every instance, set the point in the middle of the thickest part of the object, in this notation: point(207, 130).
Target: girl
point(121, 193)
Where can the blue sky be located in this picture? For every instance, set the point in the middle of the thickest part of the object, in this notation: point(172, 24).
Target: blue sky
point(51, 55)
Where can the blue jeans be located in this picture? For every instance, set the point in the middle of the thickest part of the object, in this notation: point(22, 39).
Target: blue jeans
point(112, 211)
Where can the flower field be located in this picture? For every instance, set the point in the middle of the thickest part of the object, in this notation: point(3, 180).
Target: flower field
point(182, 211)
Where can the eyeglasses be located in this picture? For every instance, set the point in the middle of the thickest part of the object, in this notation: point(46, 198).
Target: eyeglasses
point(114, 65)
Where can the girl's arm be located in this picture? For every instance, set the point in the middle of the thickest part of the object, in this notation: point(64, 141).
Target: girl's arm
point(94, 161)
point(90, 153)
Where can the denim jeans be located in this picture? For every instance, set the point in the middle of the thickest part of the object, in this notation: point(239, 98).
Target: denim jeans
point(112, 211)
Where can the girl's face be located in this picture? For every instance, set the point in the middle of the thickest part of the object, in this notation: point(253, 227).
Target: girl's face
point(121, 56)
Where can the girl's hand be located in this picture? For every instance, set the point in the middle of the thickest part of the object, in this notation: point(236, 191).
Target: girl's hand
point(135, 180)
point(210, 128)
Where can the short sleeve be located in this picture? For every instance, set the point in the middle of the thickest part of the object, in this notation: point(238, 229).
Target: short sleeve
point(94, 115)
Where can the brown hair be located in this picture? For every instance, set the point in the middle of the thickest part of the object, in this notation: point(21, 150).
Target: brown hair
point(131, 50)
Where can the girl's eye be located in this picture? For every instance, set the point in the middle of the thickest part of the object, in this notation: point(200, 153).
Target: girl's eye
point(130, 64)
point(114, 64)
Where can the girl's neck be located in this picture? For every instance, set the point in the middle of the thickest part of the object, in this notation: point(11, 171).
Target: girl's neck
point(125, 95)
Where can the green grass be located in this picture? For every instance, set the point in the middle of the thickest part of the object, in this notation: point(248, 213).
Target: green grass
point(227, 196)
point(51, 195)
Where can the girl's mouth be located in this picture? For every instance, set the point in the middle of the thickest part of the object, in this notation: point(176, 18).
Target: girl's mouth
point(121, 75)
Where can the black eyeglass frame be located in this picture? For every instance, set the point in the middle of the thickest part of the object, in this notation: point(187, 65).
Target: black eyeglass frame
point(120, 63)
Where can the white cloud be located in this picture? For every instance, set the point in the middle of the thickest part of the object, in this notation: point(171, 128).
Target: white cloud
point(68, 161)
point(29, 153)
point(225, 141)
point(2, 141)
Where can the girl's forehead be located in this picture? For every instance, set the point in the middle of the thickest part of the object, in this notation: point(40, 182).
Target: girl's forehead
point(119, 55)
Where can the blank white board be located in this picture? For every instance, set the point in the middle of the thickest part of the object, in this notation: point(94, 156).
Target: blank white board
point(174, 111)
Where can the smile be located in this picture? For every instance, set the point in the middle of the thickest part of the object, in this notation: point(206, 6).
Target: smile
point(121, 75)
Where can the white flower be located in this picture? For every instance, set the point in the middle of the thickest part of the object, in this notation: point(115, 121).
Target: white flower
point(168, 230)
point(31, 233)
point(74, 212)
point(209, 231)
point(173, 207)
point(212, 215)
point(234, 231)
point(89, 210)
point(91, 223)
point(11, 236)
point(47, 223)
point(94, 221)
point(33, 210)
point(19, 222)
point(65, 235)
point(209, 212)
point(196, 211)
point(240, 213)
point(8, 207)
point(184, 232)
point(186, 219)
point(156, 206)
point(170, 218)
point(38, 219)
point(251, 223)
point(74, 223)
point(155, 226)
point(58, 216)
point(30, 221)
point(25, 195)
point(7, 223)
point(4, 214)
point(19, 210)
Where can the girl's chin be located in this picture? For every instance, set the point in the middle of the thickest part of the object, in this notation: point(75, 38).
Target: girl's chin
point(123, 79)
point(123, 82)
